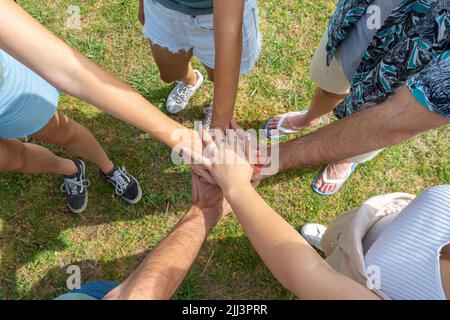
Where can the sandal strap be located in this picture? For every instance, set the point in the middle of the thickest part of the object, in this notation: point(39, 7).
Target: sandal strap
point(283, 118)
point(336, 181)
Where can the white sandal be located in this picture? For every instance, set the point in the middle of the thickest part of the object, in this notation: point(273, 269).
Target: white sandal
point(279, 128)
point(338, 182)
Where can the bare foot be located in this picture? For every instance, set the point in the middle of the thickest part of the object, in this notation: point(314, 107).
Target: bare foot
point(336, 171)
point(293, 122)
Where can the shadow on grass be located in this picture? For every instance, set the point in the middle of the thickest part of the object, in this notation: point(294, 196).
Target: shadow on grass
point(216, 274)
point(34, 213)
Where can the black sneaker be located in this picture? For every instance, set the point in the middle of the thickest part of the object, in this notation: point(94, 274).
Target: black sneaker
point(75, 189)
point(127, 187)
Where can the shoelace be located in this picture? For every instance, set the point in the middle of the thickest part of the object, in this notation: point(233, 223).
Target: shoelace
point(73, 187)
point(121, 180)
point(182, 94)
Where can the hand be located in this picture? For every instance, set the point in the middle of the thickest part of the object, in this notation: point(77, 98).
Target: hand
point(141, 14)
point(226, 161)
point(190, 149)
point(203, 173)
point(209, 198)
point(251, 151)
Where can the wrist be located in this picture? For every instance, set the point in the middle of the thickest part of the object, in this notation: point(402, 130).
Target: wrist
point(220, 119)
point(217, 124)
point(210, 216)
point(184, 138)
point(236, 191)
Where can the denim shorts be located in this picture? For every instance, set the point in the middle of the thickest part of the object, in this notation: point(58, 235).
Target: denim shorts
point(177, 32)
point(91, 291)
point(27, 102)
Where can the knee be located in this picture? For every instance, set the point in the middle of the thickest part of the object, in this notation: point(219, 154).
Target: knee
point(15, 163)
point(332, 95)
point(66, 135)
point(20, 163)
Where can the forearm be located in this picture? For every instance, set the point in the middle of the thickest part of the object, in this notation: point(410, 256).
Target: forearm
point(228, 17)
point(400, 118)
point(162, 272)
point(288, 256)
point(71, 72)
point(122, 102)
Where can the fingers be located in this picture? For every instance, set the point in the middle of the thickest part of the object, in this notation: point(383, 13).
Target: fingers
point(204, 175)
point(189, 155)
point(252, 153)
point(255, 183)
point(257, 177)
point(260, 160)
point(211, 146)
point(235, 126)
point(240, 132)
point(244, 139)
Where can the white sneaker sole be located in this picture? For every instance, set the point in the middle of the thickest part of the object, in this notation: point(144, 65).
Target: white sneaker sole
point(137, 199)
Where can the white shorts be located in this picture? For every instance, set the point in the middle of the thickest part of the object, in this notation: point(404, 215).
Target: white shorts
point(177, 31)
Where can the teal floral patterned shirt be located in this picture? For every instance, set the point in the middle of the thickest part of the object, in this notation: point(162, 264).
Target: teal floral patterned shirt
point(411, 49)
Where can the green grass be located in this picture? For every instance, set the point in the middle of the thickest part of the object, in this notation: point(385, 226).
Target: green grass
point(39, 238)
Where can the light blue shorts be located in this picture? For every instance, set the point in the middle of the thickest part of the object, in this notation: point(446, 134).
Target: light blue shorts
point(178, 31)
point(27, 102)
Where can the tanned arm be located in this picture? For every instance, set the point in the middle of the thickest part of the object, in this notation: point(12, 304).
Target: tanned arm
point(74, 74)
point(228, 19)
point(398, 119)
point(285, 252)
point(162, 272)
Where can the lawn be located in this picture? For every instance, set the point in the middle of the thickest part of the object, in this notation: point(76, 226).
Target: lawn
point(39, 238)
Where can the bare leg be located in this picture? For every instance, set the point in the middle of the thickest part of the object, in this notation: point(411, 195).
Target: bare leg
point(323, 102)
point(336, 170)
point(163, 270)
point(174, 66)
point(396, 120)
point(29, 158)
point(75, 138)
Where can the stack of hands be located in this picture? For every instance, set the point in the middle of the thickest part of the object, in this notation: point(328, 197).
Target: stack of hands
point(223, 167)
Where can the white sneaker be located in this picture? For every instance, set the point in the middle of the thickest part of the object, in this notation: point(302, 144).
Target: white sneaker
point(179, 97)
point(313, 233)
point(208, 115)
